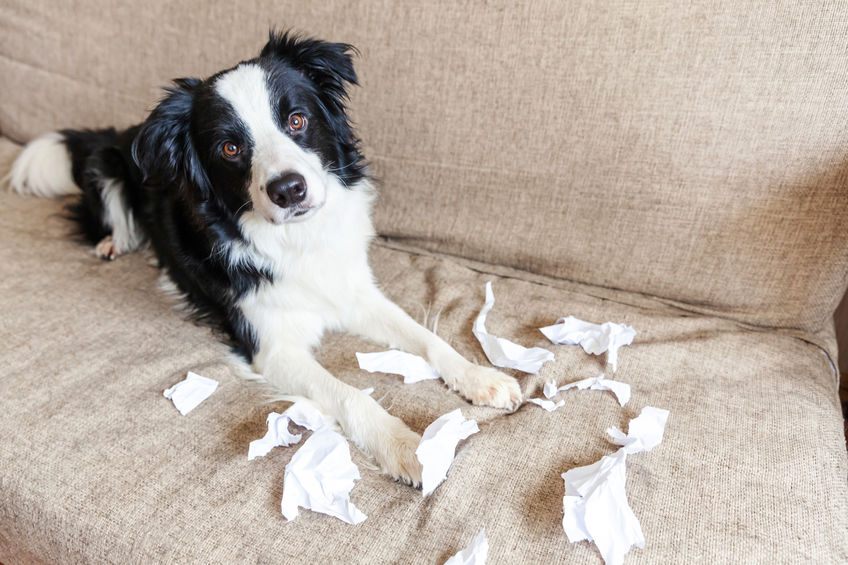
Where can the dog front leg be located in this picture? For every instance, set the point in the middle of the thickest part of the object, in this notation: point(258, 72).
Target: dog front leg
point(383, 321)
point(364, 421)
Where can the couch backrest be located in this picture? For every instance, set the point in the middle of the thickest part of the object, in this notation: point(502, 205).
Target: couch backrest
point(699, 154)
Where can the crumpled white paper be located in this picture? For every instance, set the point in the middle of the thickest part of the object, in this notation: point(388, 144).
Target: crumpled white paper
point(412, 367)
point(595, 506)
point(277, 435)
point(302, 413)
point(320, 477)
point(438, 447)
point(190, 392)
point(593, 338)
point(474, 554)
point(502, 352)
point(644, 432)
point(548, 405)
point(619, 389)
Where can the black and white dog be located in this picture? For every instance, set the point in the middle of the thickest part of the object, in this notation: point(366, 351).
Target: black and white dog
point(251, 190)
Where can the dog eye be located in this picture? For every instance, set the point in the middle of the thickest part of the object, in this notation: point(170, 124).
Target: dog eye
point(230, 150)
point(297, 122)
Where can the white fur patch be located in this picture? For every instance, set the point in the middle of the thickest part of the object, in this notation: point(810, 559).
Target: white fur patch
point(43, 168)
point(318, 264)
point(126, 235)
point(274, 152)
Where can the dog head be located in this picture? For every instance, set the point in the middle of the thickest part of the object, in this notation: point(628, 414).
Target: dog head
point(268, 135)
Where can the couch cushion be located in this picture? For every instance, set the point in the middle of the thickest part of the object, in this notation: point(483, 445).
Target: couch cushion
point(96, 466)
point(697, 154)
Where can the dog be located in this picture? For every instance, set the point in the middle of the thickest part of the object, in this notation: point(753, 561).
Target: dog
point(251, 189)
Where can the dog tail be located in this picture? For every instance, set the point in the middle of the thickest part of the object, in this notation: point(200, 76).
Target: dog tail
point(90, 164)
point(44, 168)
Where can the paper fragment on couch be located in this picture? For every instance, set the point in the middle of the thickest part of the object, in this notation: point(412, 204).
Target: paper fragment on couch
point(593, 338)
point(437, 449)
point(320, 477)
point(548, 405)
point(595, 506)
point(277, 435)
point(502, 352)
point(474, 554)
point(301, 413)
point(619, 389)
point(190, 392)
point(412, 367)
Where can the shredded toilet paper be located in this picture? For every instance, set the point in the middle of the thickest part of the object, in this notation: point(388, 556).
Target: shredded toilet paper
point(190, 392)
point(595, 506)
point(438, 446)
point(593, 338)
point(502, 352)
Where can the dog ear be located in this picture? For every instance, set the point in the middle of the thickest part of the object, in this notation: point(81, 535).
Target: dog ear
point(163, 148)
point(328, 65)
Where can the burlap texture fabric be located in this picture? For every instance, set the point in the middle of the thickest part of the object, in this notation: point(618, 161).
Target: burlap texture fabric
point(96, 466)
point(694, 153)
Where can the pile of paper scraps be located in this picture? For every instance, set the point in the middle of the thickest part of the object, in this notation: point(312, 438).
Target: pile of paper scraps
point(321, 474)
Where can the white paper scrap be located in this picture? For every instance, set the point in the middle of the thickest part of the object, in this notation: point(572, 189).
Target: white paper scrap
point(412, 367)
point(548, 405)
point(277, 435)
point(190, 392)
point(319, 477)
point(474, 554)
point(644, 432)
point(619, 389)
point(595, 506)
point(369, 391)
point(550, 389)
point(593, 338)
point(502, 352)
point(438, 447)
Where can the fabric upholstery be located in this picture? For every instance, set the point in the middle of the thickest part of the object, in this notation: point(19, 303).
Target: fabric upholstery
point(694, 154)
point(96, 466)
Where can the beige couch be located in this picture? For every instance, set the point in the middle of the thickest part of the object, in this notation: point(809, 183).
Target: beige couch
point(678, 168)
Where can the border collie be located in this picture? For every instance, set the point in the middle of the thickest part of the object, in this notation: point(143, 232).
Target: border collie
point(251, 190)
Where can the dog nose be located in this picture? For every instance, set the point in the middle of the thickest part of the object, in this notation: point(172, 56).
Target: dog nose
point(287, 190)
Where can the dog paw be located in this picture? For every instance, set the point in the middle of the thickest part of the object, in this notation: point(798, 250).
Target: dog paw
point(489, 387)
point(106, 249)
point(395, 452)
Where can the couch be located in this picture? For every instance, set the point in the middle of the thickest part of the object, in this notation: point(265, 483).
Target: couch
point(676, 167)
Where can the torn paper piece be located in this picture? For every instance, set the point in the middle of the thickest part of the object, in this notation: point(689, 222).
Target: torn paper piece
point(593, 338)
point(412, 367)
point(548, 405)
point(502, 352)
point(305, 413)
point(190, 392)
point(438, 446)
point(644, 432)
point(619, 389)
point(277, 435)
point(474, 554)
point(319, 477)
point(595, 506)
point(550, 389)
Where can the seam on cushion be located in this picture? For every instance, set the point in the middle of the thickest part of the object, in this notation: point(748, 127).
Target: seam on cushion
point(400, 244)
